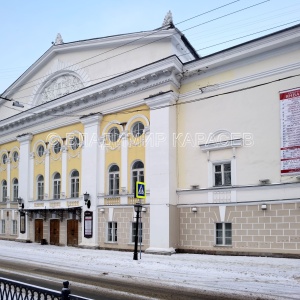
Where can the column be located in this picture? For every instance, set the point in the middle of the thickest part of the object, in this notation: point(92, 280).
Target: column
point(64, 160)
point(31, 172)
point(47, 174)
point(8, 162)
point(147, 160)
point(124, 166)
point(101, 167)
point(90, 173)
point(161, 174)
point(24, 174)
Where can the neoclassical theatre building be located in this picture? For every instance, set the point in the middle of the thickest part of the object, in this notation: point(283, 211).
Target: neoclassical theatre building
point(216, 139)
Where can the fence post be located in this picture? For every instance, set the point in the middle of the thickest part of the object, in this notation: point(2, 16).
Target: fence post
point(65, 292)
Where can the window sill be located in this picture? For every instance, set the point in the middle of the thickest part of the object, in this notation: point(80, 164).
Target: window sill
point(116, 243)
point(223, 246)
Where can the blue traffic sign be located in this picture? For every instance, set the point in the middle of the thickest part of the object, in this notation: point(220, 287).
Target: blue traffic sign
point(140, 190)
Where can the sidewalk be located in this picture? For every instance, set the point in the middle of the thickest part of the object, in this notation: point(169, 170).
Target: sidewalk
point(260, 277)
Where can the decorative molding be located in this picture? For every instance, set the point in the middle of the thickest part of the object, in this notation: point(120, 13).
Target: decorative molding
point(221, 145)
point(60, 73)
point(162, 99)
point(65, 104)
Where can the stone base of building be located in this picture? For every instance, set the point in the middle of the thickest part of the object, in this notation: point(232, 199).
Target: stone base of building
point(93, 247)
point(23, 240)
point(161, 251)
point(239, 253)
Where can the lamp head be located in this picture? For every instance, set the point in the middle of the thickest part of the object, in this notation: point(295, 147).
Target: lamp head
point(87, 200)
point(137, 207)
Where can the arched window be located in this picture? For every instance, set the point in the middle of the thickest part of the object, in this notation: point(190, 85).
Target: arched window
point(113, 180)
point(137, 174)
point(75, 184)
point(56, 186)
point(40, 187)
point(4, 191)
point(15, 184)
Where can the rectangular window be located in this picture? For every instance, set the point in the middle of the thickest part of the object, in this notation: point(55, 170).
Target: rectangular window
point(137, 175)
point(2, 226)
point(224, 234)
point(4, 193)
point(112, 230)
point(75, 188)
point(15, 192)
point(114, 184)
point(222, 174)
point(40, 190)
point(14, 227)
point(140, 232)
point(56, 189)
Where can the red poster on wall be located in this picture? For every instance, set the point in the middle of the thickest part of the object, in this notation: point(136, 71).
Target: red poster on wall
point(290, 131)
point(88, 224)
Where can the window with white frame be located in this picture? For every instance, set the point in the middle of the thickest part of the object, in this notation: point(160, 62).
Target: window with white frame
point(14, 227)
point(114, 134)
point(4, 190)
point(137, 174)
point(113, 180)
point(137, 129)
point(222, 174)
point(4, 159)
point(40, 187)
point(75, 143)
point(140, 232)
point(2, 226)
point(112, 231)
point(223, 234)
point(40, 150)
point(15, 189)
point(15, 156)
point(57, 147)
point(56, 186)
point(75, 184)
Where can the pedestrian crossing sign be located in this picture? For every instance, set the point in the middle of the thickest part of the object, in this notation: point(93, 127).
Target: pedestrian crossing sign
point(140, 190)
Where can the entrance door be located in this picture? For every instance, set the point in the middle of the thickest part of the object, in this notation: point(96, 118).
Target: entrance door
point(54, 232)
point(38, 230)
point(72, 239)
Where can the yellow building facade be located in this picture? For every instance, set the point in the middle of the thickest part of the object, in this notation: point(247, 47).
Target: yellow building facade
point(207, 144)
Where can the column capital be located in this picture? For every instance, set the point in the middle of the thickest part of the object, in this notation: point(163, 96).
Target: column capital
point(161, 99)
point(91, 119)
point(26, 137)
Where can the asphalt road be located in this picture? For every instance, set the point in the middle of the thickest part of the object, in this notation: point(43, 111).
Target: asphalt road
point(98, 287)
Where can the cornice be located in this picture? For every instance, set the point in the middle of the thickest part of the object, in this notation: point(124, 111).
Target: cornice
point(162, 99)
point(255, 47)
point(227, 84)
point(161, 73)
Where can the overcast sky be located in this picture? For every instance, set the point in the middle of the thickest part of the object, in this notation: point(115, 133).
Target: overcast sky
point(28, 27)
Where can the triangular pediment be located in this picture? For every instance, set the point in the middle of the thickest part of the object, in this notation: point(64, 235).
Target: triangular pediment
point(67, 67)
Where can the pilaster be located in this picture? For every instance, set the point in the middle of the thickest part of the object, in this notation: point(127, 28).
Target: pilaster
point(124, 162)
point(24, 174)
point(161, 173)
point(90, 173)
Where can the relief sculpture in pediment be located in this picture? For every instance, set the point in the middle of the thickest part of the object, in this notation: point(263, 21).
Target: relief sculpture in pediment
point(61, 86)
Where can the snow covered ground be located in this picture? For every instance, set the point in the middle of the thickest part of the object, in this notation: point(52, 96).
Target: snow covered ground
point(265, 277)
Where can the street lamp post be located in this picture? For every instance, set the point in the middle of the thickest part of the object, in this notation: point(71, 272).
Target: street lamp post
point(137, 209)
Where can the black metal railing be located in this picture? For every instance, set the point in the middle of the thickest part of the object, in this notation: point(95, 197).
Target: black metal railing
point(16, 290)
